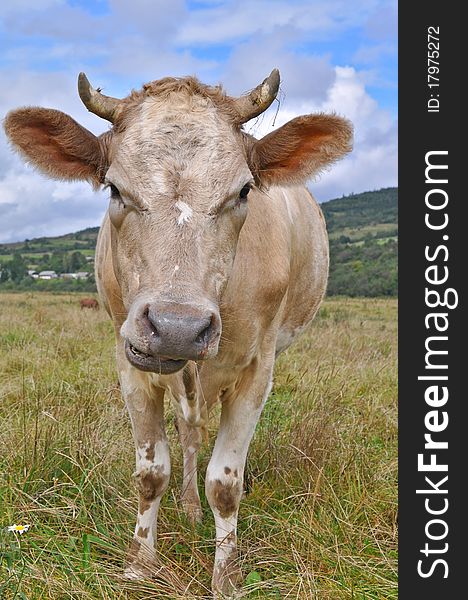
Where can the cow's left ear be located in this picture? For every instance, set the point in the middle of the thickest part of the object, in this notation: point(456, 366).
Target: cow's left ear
point(56, 144)
point(300, 149)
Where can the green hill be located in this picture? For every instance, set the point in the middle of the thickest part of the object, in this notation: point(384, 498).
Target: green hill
point(81, 240)
point(363, 234)
point(362, 213)
point(363, 230)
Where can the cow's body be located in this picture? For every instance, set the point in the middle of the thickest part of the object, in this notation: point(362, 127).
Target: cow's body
point(204, 290)
point(277, 283)
point(89, 303)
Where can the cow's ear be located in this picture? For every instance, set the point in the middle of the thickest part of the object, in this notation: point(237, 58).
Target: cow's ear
point(56, 144)
point(300, 149)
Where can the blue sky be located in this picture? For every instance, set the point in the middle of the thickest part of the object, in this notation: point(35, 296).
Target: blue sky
point(333, 55)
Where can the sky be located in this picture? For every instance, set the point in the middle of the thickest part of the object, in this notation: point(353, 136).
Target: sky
point(333, 55)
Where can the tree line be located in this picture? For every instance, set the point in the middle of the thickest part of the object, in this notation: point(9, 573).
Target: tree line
point(14, 272)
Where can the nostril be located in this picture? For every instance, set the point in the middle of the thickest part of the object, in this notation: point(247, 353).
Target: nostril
point(151, 324)
point(205, 333)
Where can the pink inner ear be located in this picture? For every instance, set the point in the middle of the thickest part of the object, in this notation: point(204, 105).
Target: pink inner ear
point(55, 143)
point(301, 148)
point(45, 148)
point(305, 148)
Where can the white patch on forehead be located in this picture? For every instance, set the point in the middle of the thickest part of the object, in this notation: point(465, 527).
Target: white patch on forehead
point(185, 212)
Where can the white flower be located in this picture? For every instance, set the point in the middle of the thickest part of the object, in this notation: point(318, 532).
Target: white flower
point(18, 528)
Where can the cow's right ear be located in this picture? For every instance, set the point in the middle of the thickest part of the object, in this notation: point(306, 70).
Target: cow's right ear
point(300, 149)
point(55, 144)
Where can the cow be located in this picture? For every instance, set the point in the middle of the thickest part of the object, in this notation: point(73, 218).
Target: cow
point(212, 258)
point(89, 303)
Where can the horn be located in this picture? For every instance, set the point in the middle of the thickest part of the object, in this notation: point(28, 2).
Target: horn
point(259, 99)
point(102, 106)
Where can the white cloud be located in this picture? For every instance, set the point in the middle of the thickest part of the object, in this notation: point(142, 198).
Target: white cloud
point(147, 61)
point(56, 20)
point(33, 206)
point(367, 168)
point(382, 23)
point(158, 21)
point(302, 75)
point(238, 19)
point(373, 162)
point(19, 6)
point(126, 44)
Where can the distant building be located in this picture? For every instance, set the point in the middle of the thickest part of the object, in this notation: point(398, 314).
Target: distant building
point(79, 275)
point(47, 275)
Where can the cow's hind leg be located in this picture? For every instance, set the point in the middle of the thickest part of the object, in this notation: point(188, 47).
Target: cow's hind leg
point(190, 440)
point(145, 404)
point(224, 479)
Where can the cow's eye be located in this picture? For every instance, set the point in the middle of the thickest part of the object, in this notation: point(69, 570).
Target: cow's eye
point(114, 191)
point(244, 192)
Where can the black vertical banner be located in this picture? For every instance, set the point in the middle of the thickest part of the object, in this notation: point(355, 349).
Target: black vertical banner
point(433, 266)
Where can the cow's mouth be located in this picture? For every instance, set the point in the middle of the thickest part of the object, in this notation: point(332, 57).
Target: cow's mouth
point(155, 364)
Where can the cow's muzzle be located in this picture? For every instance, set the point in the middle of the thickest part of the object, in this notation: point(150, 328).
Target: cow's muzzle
point(170, 334)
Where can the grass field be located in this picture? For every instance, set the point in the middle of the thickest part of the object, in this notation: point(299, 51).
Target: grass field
point(319, 521)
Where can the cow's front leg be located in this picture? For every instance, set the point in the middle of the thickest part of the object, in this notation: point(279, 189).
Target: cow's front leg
point(224, 479)
point(145, 404)
point(190, 440)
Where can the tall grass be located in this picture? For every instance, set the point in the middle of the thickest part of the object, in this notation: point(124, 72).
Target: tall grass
point(319, 519)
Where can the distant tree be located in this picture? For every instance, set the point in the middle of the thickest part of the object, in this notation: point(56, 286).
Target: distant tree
point(17, 267)
point(74, 262)
point(43, 263)
point(56, 262)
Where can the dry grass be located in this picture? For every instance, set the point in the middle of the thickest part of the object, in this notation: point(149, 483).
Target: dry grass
point(319, 521)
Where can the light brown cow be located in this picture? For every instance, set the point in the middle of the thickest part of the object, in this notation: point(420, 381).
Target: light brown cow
point(211, 259)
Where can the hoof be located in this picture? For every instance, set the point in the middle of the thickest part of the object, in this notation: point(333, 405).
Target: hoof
point(227, 578)
point(141, 562)
point(137, 572)
point(232, 595)
point(194, 512)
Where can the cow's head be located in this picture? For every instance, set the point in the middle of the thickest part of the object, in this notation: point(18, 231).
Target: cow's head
point(179, 170)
